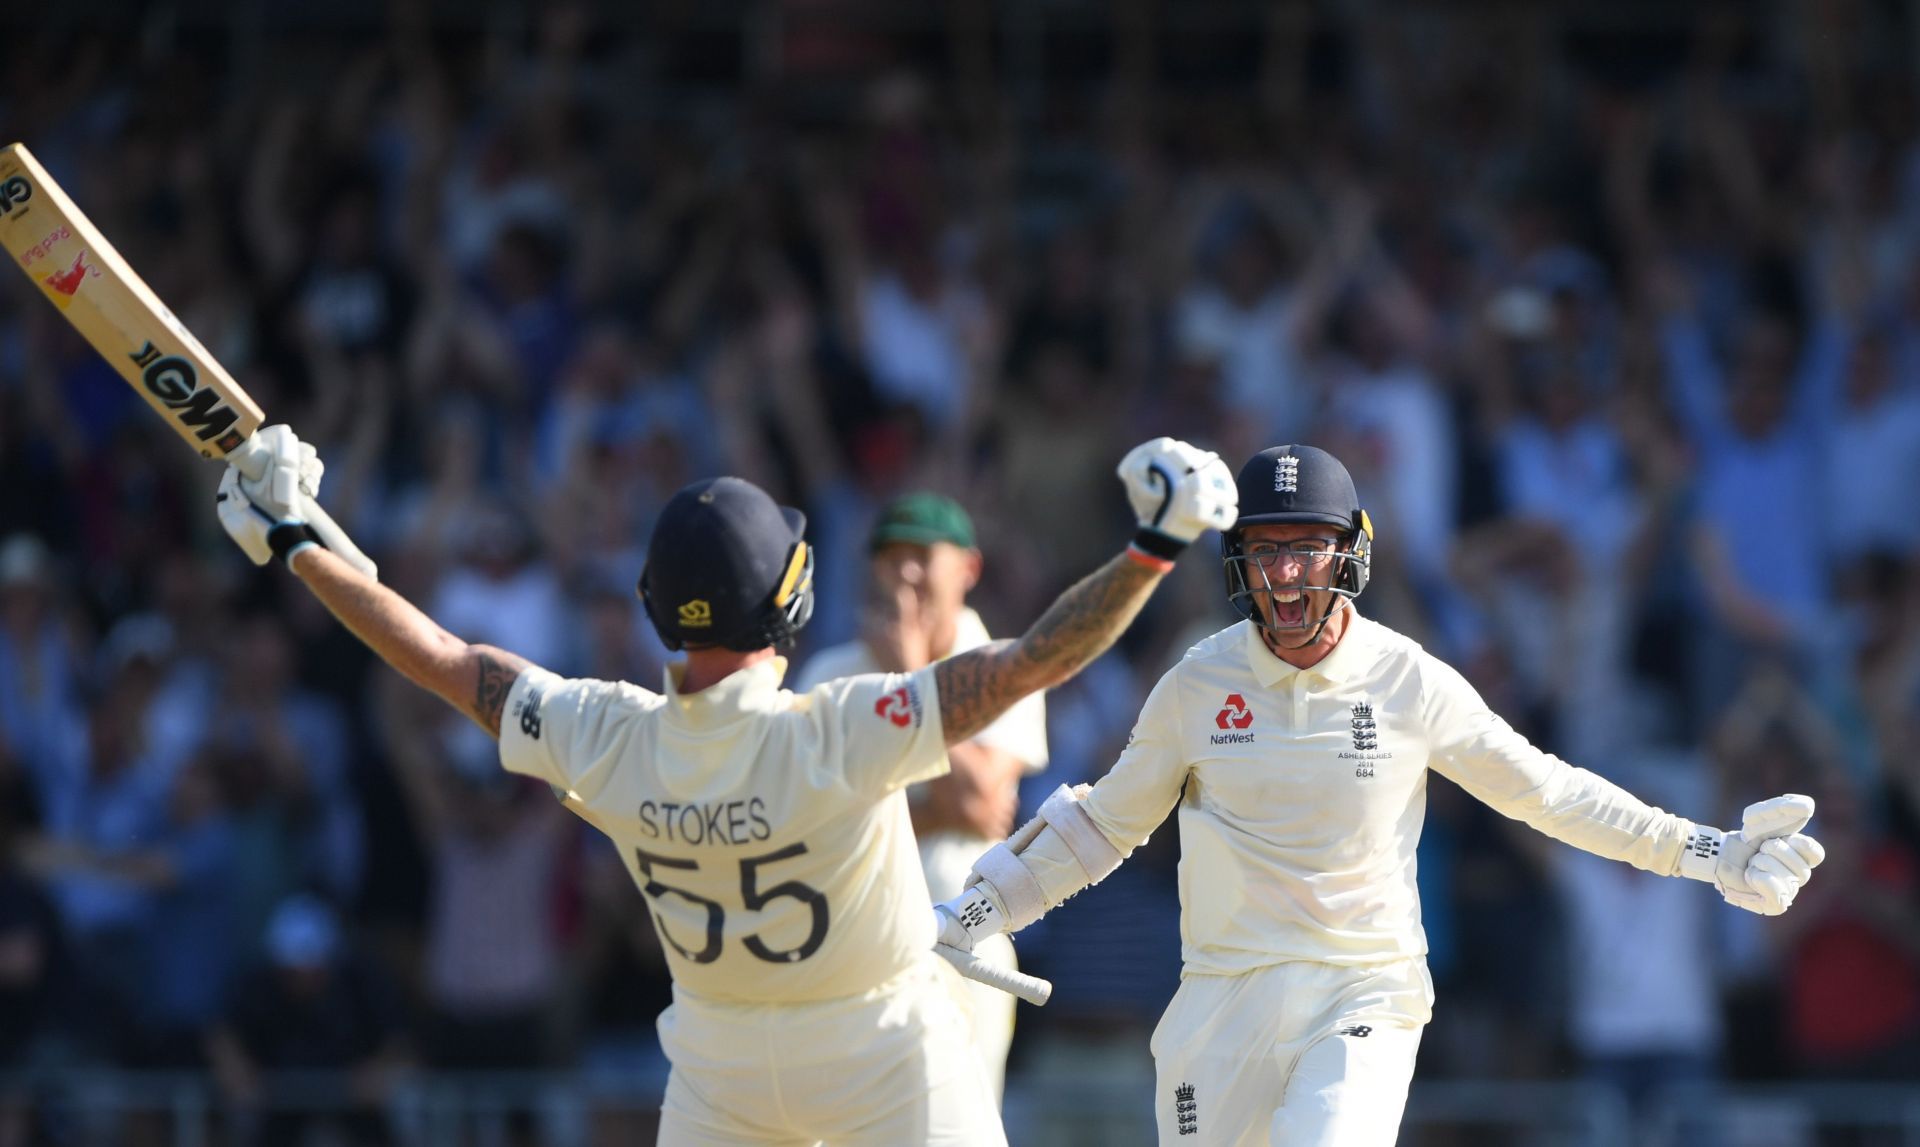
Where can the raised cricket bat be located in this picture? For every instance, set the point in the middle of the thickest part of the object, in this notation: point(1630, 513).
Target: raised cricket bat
point(113, 309)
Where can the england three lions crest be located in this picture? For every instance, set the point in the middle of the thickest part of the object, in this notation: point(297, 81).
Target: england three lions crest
point(1366, 741)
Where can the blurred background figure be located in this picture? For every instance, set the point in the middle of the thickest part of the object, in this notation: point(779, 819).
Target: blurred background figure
point(922, 562)
point(312, 1005)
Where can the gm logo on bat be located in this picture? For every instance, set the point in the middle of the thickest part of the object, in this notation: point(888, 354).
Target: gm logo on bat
point(14, 190)
point(173, 381)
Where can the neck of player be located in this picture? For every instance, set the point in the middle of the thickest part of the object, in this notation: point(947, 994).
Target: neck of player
point(1307, 656)
point(710, 665)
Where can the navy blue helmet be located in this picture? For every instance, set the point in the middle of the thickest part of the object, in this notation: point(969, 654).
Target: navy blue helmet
point(1297, 484)
point(728, 566)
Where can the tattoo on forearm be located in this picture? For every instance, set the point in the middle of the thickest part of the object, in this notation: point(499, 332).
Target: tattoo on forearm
point(490, 697)
point(978, 686)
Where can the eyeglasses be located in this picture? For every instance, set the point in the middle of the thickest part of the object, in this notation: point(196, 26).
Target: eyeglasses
point(1311, 553)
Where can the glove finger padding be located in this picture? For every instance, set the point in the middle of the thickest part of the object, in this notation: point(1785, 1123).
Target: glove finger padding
point(1150, 471)
point(291, 473)
point(1772, 883)
point(1210, 497)
point(1178, 490)
point(1777, 816)
point(1783, 853)
point(1810, 850)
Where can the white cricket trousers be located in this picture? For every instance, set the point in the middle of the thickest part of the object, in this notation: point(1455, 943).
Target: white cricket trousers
point(891, 1067)
point(1292, 1055)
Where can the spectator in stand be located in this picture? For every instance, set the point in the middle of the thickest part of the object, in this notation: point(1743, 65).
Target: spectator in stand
point(494, 846)
point(105, 802)
point(185, 948)
point(1853, 964)
point(314, 1005)
point(32, 991)
point(40, 668)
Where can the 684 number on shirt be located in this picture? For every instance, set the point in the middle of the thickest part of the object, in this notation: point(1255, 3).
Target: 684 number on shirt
point(752, 897)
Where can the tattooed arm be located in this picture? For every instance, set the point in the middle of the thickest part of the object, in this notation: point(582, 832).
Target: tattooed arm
point(977, 686)
point(472, 678)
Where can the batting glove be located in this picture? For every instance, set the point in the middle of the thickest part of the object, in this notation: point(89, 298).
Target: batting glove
point(1178, 491)
point(260, 535)
point(278, 471)
point(1761, 867)
point(969, 918)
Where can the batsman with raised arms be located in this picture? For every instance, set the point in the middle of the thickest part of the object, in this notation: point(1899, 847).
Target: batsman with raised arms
point(767, 829)
point(1296, 745)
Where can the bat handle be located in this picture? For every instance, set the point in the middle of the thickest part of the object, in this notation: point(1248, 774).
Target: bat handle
point(251, 459)
point(1032, 989)
point(335, 539)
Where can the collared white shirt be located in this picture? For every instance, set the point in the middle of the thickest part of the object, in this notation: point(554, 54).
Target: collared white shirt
point(1302, 793)
point(947, 857)
point(767, 828)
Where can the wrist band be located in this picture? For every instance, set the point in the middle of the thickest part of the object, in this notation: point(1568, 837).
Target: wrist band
point(286, 539)
point(1155, 544)
point(1157, 565)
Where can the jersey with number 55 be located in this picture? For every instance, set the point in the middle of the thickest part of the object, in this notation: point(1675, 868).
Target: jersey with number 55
point(768, 830)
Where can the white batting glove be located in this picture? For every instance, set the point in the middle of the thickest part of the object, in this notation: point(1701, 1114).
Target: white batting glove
point(1177, 492)
point(969, 918)
point(246, 523)
point(268, 494)
point(279, 470)
point(1761, 867)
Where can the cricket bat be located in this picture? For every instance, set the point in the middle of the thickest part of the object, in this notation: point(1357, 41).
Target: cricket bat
point(1032, 989)
point(114, 310)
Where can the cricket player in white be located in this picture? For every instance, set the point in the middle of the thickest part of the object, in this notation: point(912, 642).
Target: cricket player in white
point(923, 560)
point(767, 829)
point(1296, 745)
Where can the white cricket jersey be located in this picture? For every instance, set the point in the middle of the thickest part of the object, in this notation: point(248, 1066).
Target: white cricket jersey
point(947, 857)
point(1302, 793)
point(767, 828)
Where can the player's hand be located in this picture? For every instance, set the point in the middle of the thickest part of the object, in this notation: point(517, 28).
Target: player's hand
point(1178, 490)
point(969, 918)
point(246, 523)
point(280, 473)
point(1763, 865)
point(894, 627)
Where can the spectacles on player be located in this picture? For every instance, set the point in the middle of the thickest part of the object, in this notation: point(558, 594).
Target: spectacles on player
point(1310, 553)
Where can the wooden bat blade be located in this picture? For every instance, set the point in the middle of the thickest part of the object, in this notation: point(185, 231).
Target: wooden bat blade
point(100, 296)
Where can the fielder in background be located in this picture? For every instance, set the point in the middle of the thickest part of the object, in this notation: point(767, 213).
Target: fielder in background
point(1296, 745)
point(923, 561)
point(767, 829)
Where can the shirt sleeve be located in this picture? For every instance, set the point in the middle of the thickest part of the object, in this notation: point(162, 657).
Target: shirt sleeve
point(1475, 748)
point(1129, 802)
point(884, 729)
point(1141, 788)
point(562, 729)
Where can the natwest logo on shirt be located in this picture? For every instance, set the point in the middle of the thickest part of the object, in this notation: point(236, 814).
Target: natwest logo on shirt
point(902, 706)
point(1235, 715)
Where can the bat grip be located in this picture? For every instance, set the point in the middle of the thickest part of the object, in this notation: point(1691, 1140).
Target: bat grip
point(335, 539)
point(1032, 989)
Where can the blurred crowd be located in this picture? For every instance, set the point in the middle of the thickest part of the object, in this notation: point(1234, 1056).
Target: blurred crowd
point(1615, 318)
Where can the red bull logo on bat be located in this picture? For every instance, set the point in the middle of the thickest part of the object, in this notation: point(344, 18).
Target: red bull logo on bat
point(61, 285)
